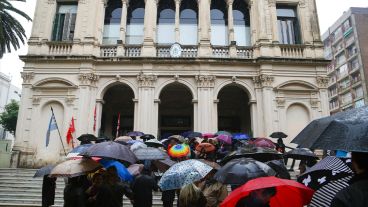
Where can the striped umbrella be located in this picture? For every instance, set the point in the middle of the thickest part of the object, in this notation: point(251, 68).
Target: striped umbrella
point(323, 196)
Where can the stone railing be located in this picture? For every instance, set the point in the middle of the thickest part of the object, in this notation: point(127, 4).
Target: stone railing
point(60, 48)
point(186, 52)
point(292, 51)
point(108, 51)
point(133, 50)
point(244, 52)
point(163, 51)
point(220, 51)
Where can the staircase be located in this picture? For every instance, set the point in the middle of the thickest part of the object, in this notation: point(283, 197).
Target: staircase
point(19, 188)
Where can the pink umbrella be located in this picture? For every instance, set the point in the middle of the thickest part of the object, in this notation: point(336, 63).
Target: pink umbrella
point(224, 138)
point(263, 142)
point(135, 169)
point(208, 135)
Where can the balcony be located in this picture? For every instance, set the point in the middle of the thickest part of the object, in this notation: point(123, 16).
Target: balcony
point(187, 51)
point(292, 51)
point(244, 52)
point(60, 48)
point(133, 51)
point(108, 51)
point(220, 51)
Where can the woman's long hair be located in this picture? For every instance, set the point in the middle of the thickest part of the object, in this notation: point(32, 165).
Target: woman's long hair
point(189, 194)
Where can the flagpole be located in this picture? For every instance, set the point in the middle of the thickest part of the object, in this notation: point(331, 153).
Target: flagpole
point(57, 127)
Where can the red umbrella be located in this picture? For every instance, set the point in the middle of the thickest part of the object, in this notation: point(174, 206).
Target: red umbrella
point(289, 193)
point(205, 147)
point(208, 135)
point(263, 142)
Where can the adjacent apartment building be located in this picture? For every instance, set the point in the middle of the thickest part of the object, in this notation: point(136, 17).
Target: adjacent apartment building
point(346, 45)
point(169, 66)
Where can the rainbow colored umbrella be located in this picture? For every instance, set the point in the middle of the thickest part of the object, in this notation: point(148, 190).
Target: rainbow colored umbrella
point(179, 151)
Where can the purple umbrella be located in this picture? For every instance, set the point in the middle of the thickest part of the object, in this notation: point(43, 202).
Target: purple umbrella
point(135, 134)
point(224, 138)
point(240, 136)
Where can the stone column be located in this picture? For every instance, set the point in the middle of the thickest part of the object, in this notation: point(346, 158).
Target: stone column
point(146, 106)
point(273, 13)
point(204, 49)
point(322, 83)
point(123, 25)
point(230, 23)
point(254, 116)
point(150, 20)
point(177, 20)
point(261, 16)
point(99, 108)
point(205, 121)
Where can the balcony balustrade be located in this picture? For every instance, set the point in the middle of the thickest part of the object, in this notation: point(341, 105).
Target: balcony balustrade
point(60, 48)
point(108, 51)
point(292, 51)
point(220, 52)
point(133, 51)
point(244, 52)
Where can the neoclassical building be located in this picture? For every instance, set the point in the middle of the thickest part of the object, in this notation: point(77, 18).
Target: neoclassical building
point(168, 66)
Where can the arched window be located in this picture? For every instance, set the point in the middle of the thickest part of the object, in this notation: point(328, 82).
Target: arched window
point(166, 22)
point(241, 23)
point(219, 32)
point(188, 22)
point(111, 32)
point(135, 22)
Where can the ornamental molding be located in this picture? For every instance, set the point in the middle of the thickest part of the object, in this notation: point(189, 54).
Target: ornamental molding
point(205, 81)
point(280, 102)
point(146, 80)
point(51, 1)
point(36, 100)
point(272, 3)
point(322, 82)
point(263, 80)
point(314, 103)
point(69, 101)
point(89, 78)
point(27, 76)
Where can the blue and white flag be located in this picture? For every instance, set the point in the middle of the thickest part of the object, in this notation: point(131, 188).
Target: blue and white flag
point(52, 126)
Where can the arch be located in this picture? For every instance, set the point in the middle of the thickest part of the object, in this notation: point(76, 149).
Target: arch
point(241, 19)
point(188, 22)
point(219, 23)
point(297, 85)
point(245, 86)
point(54, 82)
point(304, 105)
point(51, 101)
point(186, 83)
point(135, 22)
point(112, 19)
point(165, 22)
point(297, 117)
point(108, 84)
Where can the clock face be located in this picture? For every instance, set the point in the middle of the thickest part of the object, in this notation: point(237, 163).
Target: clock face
point(175, 50)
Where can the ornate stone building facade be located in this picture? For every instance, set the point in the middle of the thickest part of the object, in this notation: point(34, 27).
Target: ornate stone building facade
point(170, 66)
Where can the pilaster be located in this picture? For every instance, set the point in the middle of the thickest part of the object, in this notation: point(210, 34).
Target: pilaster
point(205, 119)
point(204, 47)
point(150, 17)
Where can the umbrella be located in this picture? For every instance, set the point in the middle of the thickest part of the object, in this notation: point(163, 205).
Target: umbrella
point(121, 142)
point(183, 173)
point(102, 139)
point(279, 167)
point(178, 138)
point(224, 138)
point(288, 192)
point(262, 154)
point(239, 171)
point(137, 145)
point(135, 169)
point(111, 150)
point(324, 196)
point(278, 135)
point(74, 168)
point(240, 136)
point(328, 169)
point(87, 138)
point(135, 134)
point(153, 143)
point(75, 152)
point(301, 154)
point(185, 134)
point(147, 137)
point(164, 165)
point(345, 131)
point(179, 151)
point(208, 135)
point(150, 153)
point(43, 171)
point(194, 135)
point(263, 142)
point(123, 138)
point(214, 165)
point(205, 147)
point(121, 170)
point(223, 132)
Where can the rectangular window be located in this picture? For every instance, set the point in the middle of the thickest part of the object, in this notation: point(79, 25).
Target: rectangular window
point(64, 22)
point(354, 63)
point(288, 25)
point(359, 103)
point(338, 33)
point(347, 24)
point(359, 92)
point(340, 59)
point(347, 98)
point(352, 50)
point(343, 70)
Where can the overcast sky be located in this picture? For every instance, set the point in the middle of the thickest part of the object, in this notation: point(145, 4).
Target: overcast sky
point(328, 10)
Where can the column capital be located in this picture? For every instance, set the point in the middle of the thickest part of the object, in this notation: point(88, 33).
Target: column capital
point(322, 82)
point(272, 3)
point(156, 1)
point(27, 76)
point(263, 80)
point(146, 80)
point(88, 78)
point(125, 2)
point(229, 2)
point(177, 1)
point(205, 81)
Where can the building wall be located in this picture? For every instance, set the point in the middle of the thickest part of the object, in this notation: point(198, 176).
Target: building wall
point(74, 76)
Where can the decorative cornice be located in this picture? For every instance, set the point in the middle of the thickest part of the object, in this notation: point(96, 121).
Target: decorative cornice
point(146, 80)
point(27, 76)
point(205, 81)
point(322, 82)
point(263, 80)
point(88, 78)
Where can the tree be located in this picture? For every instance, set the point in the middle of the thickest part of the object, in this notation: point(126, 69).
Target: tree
point(8, 119)
point(11, 31)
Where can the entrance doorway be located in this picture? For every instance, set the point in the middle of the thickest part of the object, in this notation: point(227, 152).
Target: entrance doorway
point(175, 110)
point(118, 99)
point(233, 110)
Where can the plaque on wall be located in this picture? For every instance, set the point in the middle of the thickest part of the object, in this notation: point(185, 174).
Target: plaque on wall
point(175, 50)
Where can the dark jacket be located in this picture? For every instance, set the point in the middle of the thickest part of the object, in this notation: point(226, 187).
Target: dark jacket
point(142, 190)
point(356, 195)
point(48, 191)
point(74, 196)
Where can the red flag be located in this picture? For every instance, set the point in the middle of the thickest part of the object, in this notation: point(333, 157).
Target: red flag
point(94, 120)
point(71, 130)
point(118, 126)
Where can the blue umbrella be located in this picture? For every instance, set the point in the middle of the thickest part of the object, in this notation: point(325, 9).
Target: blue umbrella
point(120, 168)
point(135, 134)
point(185, 134)
point(240, 136)
point(81, 148)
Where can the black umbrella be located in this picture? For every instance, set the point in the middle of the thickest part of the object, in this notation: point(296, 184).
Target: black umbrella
point(301, 154)
point(328, 169)
point(261, 154)
point(279, 167)
point(43, 171)
point(278, 135)
point(239, 171)
point(346, 131)
point(164, 165)
point(111, 150)
point(87, 138)
point(147, 137)
point(194, 135)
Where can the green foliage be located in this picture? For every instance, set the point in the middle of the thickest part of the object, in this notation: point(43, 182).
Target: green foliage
point(8, 119)
point(11, 31)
